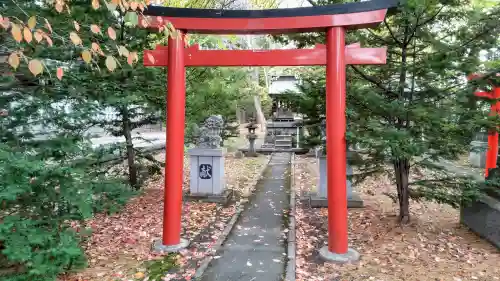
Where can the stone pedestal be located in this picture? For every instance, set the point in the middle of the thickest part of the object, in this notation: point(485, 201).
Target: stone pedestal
point(320, 199)
point(251, 145)
point(477, 154)
point(207, 180)
point(483, 218)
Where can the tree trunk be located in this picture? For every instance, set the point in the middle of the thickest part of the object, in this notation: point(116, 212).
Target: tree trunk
point(402, 172)
point(402, 165)
point(127, 133)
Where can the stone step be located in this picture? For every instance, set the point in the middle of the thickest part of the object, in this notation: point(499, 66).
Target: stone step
point(268, 145)
point(283, 145)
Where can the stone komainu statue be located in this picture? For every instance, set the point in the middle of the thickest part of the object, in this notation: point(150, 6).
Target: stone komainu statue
point(210, 132)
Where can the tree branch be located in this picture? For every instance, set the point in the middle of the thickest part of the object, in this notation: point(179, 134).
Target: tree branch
point(378, 37)
point(392, 34)
point(417, 25)
point(372, 80)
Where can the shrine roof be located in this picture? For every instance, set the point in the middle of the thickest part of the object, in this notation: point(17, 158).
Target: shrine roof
point(347, 8)
point(302, 19)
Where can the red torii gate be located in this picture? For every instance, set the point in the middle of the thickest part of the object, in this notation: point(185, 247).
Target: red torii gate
point(335, 55)
point(492, 154)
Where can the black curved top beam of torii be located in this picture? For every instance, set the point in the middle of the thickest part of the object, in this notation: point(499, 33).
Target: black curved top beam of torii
point(303, 19)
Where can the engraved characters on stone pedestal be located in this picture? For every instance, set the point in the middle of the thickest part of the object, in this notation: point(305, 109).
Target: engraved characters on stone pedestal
point(205, 171)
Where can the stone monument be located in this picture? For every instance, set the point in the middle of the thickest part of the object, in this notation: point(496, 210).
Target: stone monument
point(320, 199)
point(482, 216)
point(477, 154)
point(207, 180)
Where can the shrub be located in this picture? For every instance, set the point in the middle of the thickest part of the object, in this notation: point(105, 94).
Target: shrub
point(41, 202)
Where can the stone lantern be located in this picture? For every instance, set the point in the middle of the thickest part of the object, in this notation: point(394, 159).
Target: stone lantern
point(251, 136)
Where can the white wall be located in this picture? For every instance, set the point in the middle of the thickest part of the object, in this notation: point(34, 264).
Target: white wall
point(283, 84)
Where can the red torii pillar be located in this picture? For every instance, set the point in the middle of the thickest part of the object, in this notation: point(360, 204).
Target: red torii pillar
point(492, 153)
point(334, 20)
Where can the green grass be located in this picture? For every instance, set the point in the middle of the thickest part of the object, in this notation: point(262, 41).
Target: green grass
point(157, 269)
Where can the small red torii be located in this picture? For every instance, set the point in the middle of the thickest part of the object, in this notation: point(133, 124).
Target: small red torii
point(334, 20)
point(492, 153)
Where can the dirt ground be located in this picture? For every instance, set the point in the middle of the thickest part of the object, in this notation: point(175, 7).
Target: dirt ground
point(121, 243)
point(434, 246)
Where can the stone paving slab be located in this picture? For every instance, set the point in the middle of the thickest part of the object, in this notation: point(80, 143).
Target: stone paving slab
point(255, 250)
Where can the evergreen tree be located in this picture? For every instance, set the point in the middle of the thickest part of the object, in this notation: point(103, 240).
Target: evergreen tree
point(418, 108)
point(51, 182)
point(44, 196)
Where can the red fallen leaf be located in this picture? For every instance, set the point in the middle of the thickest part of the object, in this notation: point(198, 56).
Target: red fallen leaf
point(130, 241)
point(141, 220)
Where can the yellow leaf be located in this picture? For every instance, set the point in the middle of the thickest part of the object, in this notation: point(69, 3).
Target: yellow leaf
point(95, 4)
point(59, 7)
point(14, 60)
point(86, 56)
point(151, 58)
point(111, 63)
point(125, 5)
point(130, 59)
point(123, 51)
point(77, 26)
point(95, 47)
point(141, 7)
point(32, 22)
point(38, 36)
point(5, 22)
point(111, 33)
point(59, 73)
point(16, 33)
point(139, 275)
point(75, 38)
point(48, 26)
point(135, 56)
point(28, 36)
point(116, 2)
point(48, 39)
point(35, 66)
point(134, 5)
point(95, 28)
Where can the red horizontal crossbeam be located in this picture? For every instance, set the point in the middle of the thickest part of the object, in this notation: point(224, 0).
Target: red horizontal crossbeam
point(479, 93)
point(267, 25)
point(477, 76)
point(193, 56)
point(482, 94)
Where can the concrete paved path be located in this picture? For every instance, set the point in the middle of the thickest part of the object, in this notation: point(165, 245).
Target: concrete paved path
point(140, 140)
point(255, 250)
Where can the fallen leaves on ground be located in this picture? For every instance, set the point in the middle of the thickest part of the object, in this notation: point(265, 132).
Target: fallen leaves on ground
point(121, 243)
point(433, 247)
